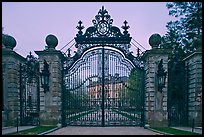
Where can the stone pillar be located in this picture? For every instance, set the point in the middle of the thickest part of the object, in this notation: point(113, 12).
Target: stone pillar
point(194, 64)
point(10, 70)
point(155, 102)
point(50, 101)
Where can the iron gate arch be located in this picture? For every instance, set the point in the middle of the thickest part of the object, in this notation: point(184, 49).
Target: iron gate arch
point(103, 81)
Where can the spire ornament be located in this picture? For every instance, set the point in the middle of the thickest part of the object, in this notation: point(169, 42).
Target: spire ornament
point(125, 27)
point(80, 27)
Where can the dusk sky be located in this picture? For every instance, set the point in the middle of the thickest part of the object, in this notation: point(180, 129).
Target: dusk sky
point(30, 22)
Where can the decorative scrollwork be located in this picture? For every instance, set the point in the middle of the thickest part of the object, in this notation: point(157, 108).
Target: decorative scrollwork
point(102, 31)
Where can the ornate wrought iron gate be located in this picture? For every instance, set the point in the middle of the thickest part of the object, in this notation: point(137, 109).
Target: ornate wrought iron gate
point(29, 91)
point(103, 80)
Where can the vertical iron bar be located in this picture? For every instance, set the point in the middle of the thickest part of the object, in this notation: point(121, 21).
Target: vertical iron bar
point(72, 96)
point(98, 88)
point(80, 90)
point(89, 96)
point(77, 94)
point(193, 121)
point(117, 84)
point(20, 73)
point(102, 105)
point(187, 89)
point(107, 86)
point(143, 97)
point(17, 124)
point(38, 99)
point(92, 74)
point(63, 119)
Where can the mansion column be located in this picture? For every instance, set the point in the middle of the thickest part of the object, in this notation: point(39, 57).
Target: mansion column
point(50, 101)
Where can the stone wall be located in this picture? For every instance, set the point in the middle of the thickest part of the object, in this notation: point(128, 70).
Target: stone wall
point(11, 93)
point(194, 64)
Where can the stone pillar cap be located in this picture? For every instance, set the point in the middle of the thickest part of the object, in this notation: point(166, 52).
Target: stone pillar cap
point(155, 40)
point(8, 41)
point(51, 41)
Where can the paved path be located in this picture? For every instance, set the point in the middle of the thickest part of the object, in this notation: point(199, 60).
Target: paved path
point(76, 130)
point(7, 130)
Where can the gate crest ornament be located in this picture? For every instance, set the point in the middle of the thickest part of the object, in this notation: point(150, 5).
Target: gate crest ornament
point(102, 31)
point(102, 22)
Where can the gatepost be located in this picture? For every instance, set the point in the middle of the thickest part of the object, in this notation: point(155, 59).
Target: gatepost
point(10, 82)
point(156, 114)
point(50, 100)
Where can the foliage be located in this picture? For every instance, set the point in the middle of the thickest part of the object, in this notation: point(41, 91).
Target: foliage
point(132, 91)
point(74, 102)
point(177, 93)
point(183, 32)
point(183, 37)
point(75, 97)
point(135, 88)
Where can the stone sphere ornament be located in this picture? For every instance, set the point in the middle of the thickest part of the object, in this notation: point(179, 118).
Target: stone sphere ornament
point(51, 41)
point(8, 41)
point(155, 40)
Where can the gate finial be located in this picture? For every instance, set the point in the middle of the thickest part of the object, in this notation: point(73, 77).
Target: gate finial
point(125, 27)
point(102, 12)
point(80, 27)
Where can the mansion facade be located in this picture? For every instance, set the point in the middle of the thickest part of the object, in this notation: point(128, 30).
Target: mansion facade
point(114, 85)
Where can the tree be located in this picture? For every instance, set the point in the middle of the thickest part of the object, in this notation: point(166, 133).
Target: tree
point(182, 33)
point(133, 89)
point(190, 14)
point(183, 37)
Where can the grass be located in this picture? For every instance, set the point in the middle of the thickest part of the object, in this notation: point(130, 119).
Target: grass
point(34, 131)
point(174, 131)
point(75, 117)
point(125, 114)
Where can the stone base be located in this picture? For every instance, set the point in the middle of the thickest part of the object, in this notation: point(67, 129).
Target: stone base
point(197, 116)
point(50, 118)
point(48, 122)
point(158, 119)
point(156, 123)
point(4, 119)
point(11, 117)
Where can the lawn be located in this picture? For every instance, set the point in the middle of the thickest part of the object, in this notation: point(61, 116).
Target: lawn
point(174, 131)
point(125, 114)
point(34, 131)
